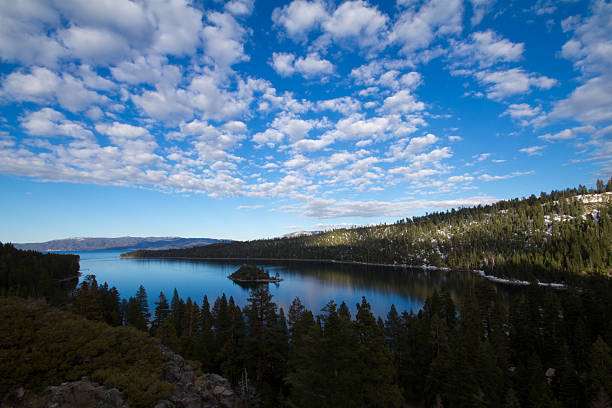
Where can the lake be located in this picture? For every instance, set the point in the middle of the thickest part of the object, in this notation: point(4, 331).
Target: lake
point(315, 283)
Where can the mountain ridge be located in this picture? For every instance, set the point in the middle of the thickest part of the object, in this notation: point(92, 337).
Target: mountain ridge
point(117, 243)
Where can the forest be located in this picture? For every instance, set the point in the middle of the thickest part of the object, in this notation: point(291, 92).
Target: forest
point(534, 347)
point(559, 236)
point(530, 347)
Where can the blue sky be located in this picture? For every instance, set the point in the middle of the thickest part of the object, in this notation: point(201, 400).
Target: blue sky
point(247, 119)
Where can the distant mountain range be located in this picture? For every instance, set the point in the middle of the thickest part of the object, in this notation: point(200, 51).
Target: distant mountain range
point(120, 243)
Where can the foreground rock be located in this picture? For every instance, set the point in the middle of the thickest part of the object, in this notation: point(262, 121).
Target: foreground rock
point(194, 390)
point(83, 393)
point(203, 390)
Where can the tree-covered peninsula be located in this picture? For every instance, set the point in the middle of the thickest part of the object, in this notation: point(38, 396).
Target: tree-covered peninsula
point(554, 237)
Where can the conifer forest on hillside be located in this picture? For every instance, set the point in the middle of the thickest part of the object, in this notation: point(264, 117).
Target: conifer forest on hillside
point(531, 347)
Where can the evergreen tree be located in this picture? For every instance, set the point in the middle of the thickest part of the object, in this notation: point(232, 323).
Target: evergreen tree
point(141, 297)
point(377, 388)
point(264, 343)
point(600, 374)
point(162, 310)
point(134, 316)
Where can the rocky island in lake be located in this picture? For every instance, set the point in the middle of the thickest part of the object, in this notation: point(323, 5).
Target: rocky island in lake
point(253, 274)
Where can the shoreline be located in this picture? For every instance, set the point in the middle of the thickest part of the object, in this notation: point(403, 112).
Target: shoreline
point(479, 272)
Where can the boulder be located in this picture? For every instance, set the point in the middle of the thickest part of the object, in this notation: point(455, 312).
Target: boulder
point(83, 393)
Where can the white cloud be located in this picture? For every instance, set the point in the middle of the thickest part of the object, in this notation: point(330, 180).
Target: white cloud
point(44, 86)
point(486, 177)
point(345, 105)
point(402, 102)
point(358, 127)
point(487, 48)
point(522, 111)
point(300, 17)
point(355, 21)
point(533, 150)
point(23, 35)
point(309, 67)
point(95, 45)
point(505, 83)
point(479, 9)
point(296, 129)
point(137, 144)
point(482, 156)
point(223, 40)
point(51, 123)
point(330, 208)
point(269, 136)
point(249, 207)
point(240, 8)
point(416, 30)
point(460, 179)
point(562, 135)
point(591, 45)
point(283, 63)
point(385, 74)
point(407, 149)
point(589, 103)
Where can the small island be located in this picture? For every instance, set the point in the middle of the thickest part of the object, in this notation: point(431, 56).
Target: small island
point(253, 274)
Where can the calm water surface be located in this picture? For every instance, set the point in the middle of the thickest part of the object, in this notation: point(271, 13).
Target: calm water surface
point(315, 283)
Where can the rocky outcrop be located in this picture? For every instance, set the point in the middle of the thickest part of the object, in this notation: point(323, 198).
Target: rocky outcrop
point(194, 390)
point(83, 393)
point(199, 390)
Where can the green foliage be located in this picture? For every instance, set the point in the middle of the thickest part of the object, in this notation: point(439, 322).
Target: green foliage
point(40, 346)
point(34, 274)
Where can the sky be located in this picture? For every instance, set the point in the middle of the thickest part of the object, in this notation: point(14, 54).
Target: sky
point(251, 119)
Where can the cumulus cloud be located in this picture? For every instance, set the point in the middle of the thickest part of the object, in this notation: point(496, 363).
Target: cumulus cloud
point(589, 103)
point(356, 22)
point(224, 40)
point(505, 83)
point(300, 17)
point(487, 48)
point(385, 74)
point(402, 102)
point(48, 122)
point(591, 43)
point(42, 85)
point(309, 67)
point(416, 29)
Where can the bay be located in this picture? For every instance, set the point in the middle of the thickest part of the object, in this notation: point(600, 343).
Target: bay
point(315, 283)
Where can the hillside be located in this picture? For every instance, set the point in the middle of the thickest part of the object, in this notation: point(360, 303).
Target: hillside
point(553, 237)
point(120, 243)
point(30, 273)
point(49, 355)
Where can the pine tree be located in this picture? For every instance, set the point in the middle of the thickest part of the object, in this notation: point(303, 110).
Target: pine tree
point(600, 373)
point(141, 297)
point(134, 316)
point(307, 381)
point(375, 362)
point(205, 341)
point(162, 310)
point(264, 343)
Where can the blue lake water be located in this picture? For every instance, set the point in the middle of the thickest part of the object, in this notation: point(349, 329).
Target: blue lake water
point(315, 283)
